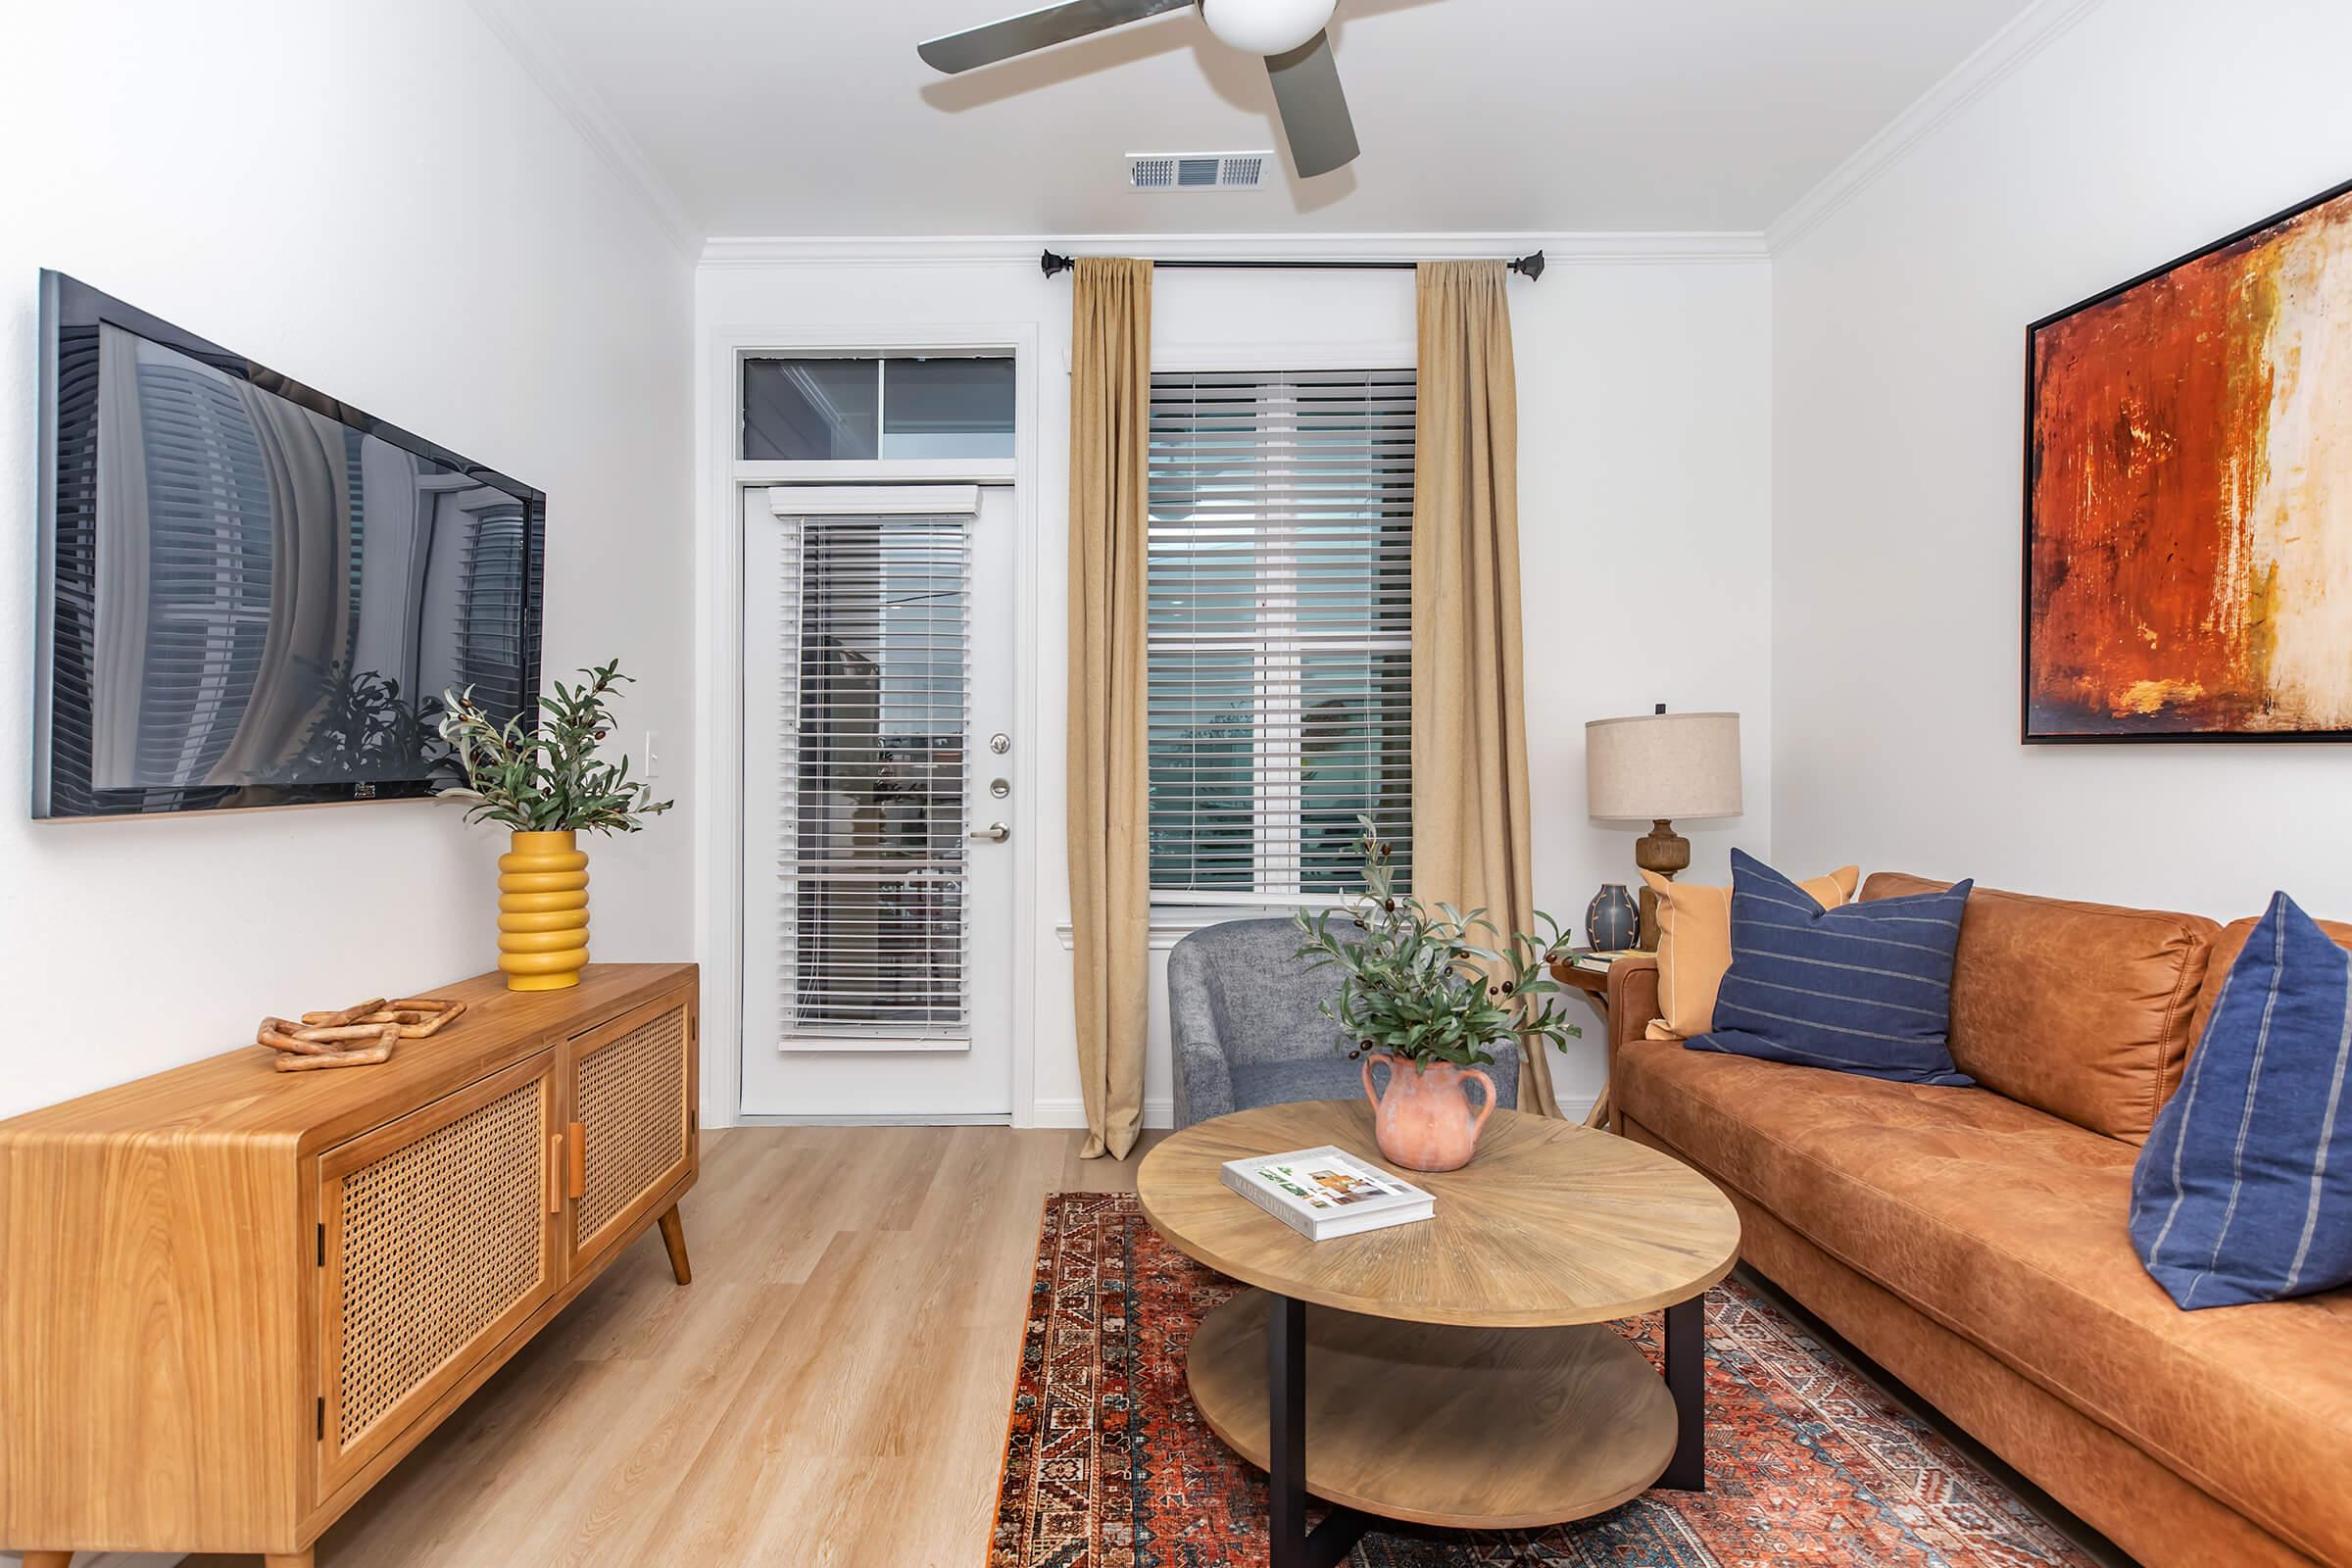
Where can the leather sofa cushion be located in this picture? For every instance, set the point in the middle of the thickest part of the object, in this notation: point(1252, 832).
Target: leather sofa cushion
point(2080, 1009)
point(2227, 945)
point(2007, 1226)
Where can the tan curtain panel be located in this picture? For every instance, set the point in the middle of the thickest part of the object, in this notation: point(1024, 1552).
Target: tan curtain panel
point(1110, 874)
point(1471, 819)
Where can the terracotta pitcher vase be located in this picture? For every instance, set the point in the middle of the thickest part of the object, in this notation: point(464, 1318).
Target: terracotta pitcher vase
point(1423, 1122)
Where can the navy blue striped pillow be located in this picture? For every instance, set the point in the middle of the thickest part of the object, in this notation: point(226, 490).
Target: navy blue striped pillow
point(2240, 1193)
point(1864, 988)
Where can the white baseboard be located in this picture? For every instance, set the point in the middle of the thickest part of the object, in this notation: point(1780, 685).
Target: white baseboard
point(1163, 1113)
point(1158, 1112)
point(944, 1118)
point(108, 1559)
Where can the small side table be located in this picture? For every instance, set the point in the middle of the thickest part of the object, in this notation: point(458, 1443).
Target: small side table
point(1594, 984)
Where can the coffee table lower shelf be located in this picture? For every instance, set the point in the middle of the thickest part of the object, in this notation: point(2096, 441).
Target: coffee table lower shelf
point(1460, 1428)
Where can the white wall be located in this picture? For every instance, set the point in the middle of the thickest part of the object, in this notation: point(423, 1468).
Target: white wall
point(2151, 127)
point(1644, 389)
point(378, 201)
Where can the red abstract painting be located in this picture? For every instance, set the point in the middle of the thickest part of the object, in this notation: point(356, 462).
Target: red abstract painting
point(2189, 496)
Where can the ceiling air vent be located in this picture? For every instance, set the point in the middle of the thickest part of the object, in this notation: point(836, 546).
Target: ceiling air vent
point(1197, 170)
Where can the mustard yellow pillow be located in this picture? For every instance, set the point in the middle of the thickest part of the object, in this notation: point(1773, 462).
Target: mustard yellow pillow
point(1694, 946)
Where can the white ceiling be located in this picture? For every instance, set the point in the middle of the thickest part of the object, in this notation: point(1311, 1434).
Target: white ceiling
point(796, 118)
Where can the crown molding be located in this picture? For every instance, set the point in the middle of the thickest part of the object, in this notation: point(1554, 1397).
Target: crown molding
point(520, 28)
point(979, 250)
point(2026, 35)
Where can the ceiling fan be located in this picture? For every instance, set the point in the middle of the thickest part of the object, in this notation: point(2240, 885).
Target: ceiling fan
point(1288, 32)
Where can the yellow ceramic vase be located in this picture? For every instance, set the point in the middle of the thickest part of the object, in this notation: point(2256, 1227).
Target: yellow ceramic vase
point(543, 911)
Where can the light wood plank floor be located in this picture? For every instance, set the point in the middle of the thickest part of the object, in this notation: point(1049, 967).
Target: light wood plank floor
point(830, 1392)
point(831, 1389)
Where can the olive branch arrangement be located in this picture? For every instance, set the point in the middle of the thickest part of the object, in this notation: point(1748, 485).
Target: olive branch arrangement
point(549, 780)
point(1430, 986)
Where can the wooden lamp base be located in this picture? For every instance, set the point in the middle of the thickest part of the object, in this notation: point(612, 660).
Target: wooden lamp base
point(1665, 852)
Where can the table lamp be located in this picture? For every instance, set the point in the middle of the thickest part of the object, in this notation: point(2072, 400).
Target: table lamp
point(1658, 768)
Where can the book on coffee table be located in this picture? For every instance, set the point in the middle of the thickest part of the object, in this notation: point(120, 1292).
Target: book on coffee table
point(1326, 1192)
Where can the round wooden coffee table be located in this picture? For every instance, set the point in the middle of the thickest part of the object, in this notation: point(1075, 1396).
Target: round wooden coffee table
point(1458, 1371)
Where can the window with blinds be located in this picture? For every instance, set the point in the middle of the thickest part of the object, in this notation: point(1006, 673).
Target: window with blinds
point(490, 611)
point(1280, 627)
point(876, 630)
point(211, 559)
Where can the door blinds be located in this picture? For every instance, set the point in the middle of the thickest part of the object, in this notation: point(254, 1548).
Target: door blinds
point(876, 645)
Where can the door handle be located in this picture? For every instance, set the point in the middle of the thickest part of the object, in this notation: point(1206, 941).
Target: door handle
point(576, 1153)
point(994, 833)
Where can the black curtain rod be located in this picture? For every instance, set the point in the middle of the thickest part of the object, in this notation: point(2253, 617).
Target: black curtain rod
point(1530, 267)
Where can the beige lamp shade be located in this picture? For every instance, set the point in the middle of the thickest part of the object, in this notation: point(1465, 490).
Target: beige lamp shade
point(1662, 767)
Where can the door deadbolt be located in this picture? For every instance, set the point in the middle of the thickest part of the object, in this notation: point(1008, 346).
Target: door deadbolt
point(999, 743)
point(999, 787)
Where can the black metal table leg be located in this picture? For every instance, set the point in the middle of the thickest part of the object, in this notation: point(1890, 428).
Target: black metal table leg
point(1289, 1542)
point(1687, 1381)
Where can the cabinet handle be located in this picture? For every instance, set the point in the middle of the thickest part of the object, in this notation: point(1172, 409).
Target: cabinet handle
point(554, 1174)
point(575, 1147)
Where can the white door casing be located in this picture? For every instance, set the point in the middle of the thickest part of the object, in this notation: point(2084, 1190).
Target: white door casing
point(878, 666)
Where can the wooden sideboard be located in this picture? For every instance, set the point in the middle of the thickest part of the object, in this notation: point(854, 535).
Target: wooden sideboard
point(231, 1298)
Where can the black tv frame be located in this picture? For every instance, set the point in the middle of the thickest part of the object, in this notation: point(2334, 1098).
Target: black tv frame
point(61, 782)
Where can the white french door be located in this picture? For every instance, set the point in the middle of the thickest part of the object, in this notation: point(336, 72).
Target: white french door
point(879, 765)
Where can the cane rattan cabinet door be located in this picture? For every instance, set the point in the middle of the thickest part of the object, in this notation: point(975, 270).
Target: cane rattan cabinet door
point(632, 1106)
point(438, 1238)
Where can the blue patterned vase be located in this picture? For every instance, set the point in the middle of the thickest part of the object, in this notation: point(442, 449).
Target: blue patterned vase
point(1612, 918)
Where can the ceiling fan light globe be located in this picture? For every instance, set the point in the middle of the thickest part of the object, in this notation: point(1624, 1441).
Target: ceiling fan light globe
point(1266, 26)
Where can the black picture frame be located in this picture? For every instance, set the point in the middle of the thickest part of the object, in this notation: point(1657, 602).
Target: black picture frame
point(2027, 734)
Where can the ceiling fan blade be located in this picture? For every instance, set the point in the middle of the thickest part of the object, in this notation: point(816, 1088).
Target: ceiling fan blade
point(1037, 29)
point(1314, 111)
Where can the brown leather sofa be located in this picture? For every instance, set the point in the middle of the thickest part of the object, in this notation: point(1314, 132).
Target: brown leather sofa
point(1972, 1242)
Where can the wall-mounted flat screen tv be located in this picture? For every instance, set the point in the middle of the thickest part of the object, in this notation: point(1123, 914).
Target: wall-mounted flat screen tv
point(251, 593)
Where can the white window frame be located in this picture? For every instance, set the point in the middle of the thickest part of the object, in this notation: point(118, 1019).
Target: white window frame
point(871, 471)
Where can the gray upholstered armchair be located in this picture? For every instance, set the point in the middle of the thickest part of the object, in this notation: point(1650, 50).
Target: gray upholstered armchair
point(1242, 1014)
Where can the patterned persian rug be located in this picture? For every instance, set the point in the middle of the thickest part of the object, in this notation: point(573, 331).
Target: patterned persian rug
point(1106, 1464)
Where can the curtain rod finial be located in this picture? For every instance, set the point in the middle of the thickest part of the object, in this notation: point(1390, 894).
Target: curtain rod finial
point(1054, 264)
point(1530, 267)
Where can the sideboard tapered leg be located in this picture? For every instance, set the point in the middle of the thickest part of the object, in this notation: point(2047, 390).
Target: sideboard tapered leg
point(48, 1559)
point(304, 1558)
point(673, 1237)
